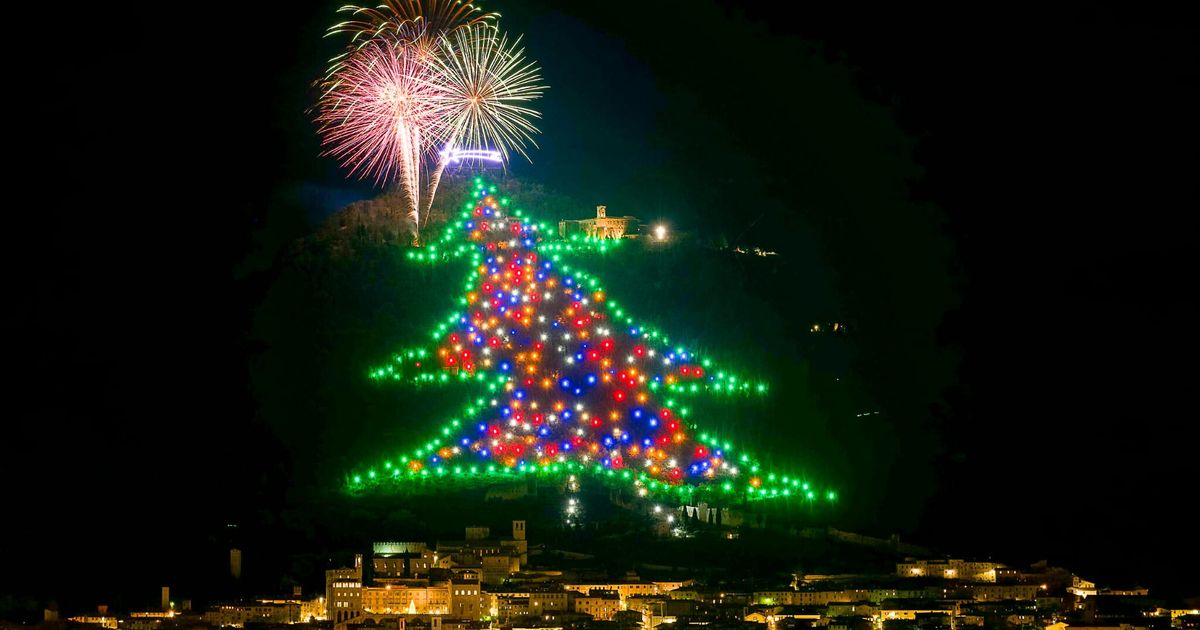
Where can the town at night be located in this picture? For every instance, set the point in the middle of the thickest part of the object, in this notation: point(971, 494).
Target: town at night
point(523, 314)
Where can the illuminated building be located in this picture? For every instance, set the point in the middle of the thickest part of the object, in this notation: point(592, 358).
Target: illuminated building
point(603, 226)
point(412, 600)
point(625, 590)
point(602, 606)
point(104, 621)
point(949, 569)
point(344, 592)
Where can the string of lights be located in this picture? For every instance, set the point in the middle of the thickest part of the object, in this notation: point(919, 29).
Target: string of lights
point(574, 384)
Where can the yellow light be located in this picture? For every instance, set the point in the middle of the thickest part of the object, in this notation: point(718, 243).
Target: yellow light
point(660, 232)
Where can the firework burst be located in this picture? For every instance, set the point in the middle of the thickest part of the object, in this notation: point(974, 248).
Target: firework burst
point(433, 18)
point(487, 84)
point(376, 114)
point(420, 77)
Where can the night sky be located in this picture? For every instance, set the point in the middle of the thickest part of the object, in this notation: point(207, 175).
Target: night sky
point(998, 199)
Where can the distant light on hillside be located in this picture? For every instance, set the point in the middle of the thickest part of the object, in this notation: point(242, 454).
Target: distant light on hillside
point(660, 232)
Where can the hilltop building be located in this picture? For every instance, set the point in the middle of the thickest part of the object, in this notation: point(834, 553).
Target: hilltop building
point(603, 226)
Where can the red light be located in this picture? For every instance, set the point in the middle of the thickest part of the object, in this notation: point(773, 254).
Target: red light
point(619, 395)
point(701, 452)
point(639, 350)
point(617, 462)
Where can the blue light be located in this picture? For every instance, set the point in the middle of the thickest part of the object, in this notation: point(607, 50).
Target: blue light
point(637, 413)
point(465, 441)
point(591, 379)
point(519, 394)
point(653, 422)
point(565, 383)
point(482, 427)
point(505, 366)
point(608, 441)
point(505, 412)
point(483, 452)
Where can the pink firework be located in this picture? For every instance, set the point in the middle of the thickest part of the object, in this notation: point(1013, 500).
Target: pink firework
point(377, 111)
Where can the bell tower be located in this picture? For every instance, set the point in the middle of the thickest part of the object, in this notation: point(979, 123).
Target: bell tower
point(601, 211)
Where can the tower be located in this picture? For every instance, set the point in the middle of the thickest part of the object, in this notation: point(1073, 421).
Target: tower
point(235, 563)
point(519, 530)
point(601, 212)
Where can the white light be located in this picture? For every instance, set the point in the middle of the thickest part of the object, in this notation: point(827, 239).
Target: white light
point(660, 232)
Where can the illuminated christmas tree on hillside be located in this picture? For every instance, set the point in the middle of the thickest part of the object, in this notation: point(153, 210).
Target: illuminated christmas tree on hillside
point(571, 384)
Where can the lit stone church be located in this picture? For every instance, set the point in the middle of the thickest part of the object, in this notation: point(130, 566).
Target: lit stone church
point(603, 226)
